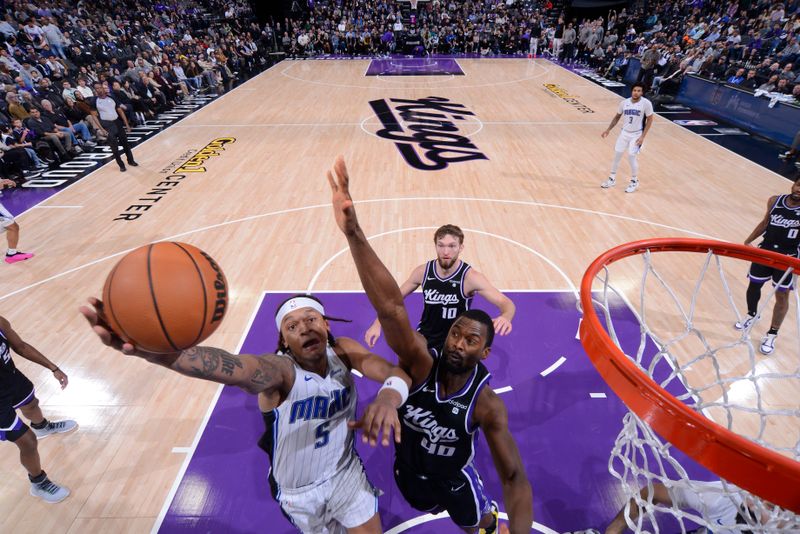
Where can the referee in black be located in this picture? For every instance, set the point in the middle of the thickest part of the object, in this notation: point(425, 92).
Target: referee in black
point(112, 118)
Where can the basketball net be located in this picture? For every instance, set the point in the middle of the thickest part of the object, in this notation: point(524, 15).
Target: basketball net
point(688, 346)
point(414, 4)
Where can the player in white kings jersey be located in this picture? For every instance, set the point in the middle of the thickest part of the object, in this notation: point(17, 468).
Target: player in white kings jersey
point(308, 401)
point(636, 113)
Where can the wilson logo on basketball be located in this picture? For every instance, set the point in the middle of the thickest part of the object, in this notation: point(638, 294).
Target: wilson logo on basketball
point(431, 139)
point(564, 95)
point(221, 300)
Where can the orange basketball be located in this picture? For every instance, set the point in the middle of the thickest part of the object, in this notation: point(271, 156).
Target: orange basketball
point(165, 297)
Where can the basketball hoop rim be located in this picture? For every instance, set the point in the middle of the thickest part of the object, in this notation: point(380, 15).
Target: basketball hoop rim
point(763, 472)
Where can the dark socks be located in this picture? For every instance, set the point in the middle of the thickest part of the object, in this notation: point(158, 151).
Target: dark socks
point(773, 330)
point(38, 479)
point(39, 426)
point(753, 296)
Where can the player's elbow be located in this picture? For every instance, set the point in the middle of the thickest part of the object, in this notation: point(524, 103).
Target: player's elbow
point(516, 478)
point(391, 312)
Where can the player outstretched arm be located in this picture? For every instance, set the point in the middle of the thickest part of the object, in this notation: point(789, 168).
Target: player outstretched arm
point(491, 415)
point(478, 283)
point(660, 496)
point(408, 287)
point(761, 227)
point(29, 352)
point(378, 283)
point(254, 374)
point(382, 413)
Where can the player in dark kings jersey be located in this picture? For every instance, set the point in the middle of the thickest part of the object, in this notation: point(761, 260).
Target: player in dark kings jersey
point(781, 230)
point(448, 285)
point(448, 403)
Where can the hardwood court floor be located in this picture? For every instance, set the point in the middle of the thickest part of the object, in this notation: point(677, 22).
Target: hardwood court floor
point(533, 212)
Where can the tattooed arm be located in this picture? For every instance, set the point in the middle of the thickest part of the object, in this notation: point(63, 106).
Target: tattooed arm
point(254, 374)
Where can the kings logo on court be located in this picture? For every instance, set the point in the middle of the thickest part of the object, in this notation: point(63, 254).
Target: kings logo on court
point(426, 131)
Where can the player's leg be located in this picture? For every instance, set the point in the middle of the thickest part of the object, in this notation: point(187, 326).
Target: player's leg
point(28, 404)
point(353, 501)
point(633, 153)
point(417, 491)
point(619, 150)
point(11, 228)
point(759, 274)
point(468, 504)
point(785, 285)
point(14, 430)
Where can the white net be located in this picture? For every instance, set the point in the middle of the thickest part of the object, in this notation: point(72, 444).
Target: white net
point(679, 329)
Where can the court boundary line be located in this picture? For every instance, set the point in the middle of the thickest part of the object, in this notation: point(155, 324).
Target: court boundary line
point(686, 129)
point(545, 66)
point(202, 428)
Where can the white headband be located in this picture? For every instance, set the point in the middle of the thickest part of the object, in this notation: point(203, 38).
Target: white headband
point(295, 304)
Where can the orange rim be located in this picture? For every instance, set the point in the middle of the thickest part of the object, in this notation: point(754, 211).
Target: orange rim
point(760, 471)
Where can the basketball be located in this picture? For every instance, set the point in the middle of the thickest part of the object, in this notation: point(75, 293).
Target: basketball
point(165, 297)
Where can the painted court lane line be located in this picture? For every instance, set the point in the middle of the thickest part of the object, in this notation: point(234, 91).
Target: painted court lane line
point(543, 413)
point(189, 451)
point(558, 363)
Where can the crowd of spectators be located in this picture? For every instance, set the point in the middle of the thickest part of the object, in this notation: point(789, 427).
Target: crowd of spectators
point(56, 54)
point(751, 43)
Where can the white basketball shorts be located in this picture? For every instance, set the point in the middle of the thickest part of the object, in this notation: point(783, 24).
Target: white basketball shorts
point(6, 219)
point(345, 500)
point(626, 142)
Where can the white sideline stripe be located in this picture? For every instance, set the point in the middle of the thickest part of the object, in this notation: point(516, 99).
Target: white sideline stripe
point(559, 362)
point(597, 395)
point(181, 450)
point(191, 449)
point(54, 207)
point(504, 389)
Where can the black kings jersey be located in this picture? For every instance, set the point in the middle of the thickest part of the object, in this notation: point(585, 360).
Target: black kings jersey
point(7, 367)
point(783, 229)
point(444, 300)
point(437, 438)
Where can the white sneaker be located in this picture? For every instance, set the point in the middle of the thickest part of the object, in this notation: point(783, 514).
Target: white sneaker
point(611, 182)
point(745, 324)
point(786, 155)
point(49, 491)
point(633, 186)
point(768, 344)
point(55, 427)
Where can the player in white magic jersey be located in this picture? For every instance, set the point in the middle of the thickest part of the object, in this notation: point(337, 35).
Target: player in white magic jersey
point(308, 400)
point(636, 113)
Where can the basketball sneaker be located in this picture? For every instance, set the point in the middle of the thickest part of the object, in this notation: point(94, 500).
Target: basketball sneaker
point(611, 182)
point(49, 491)
point(786, 155)
point(768, 344)
point(493, 528)
point(55, 427)
point(18, 256)
point(633, 186)
point(745, 324)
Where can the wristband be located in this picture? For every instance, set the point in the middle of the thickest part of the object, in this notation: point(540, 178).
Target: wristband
point(54, 370)
point(397, 384)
